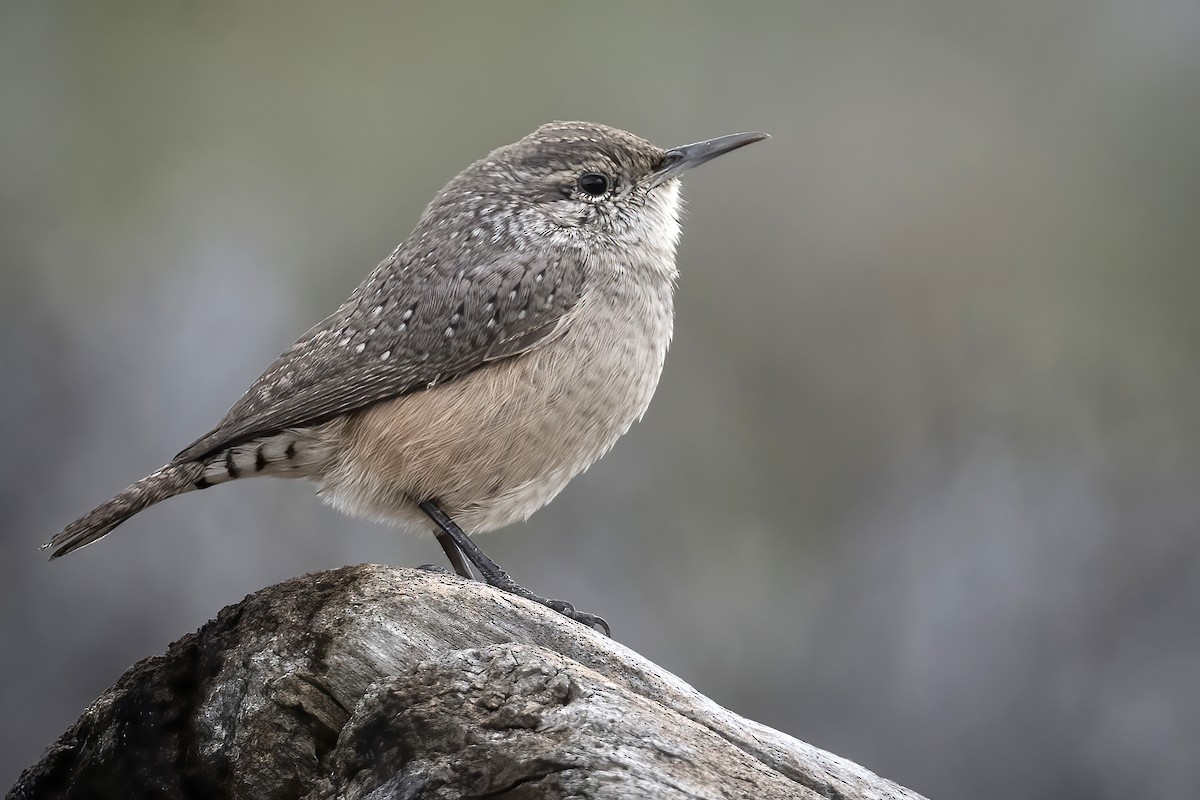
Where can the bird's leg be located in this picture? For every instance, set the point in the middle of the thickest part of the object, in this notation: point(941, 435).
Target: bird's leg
point(454, 554)
point(491, 571)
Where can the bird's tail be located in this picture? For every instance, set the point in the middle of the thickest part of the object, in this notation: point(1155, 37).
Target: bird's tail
point(167, 482)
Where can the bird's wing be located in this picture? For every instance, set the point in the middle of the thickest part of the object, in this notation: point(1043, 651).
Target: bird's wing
point(407, 328)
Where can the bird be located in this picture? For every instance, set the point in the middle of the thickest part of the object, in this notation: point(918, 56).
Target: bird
point(502, 348)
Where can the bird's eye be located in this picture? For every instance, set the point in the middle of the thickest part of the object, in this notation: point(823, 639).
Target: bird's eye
point(593, 183)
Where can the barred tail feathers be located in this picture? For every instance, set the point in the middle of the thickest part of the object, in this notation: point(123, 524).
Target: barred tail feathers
point(166, 482)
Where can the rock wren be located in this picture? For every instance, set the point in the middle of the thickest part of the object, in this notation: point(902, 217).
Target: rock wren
point(502, 348)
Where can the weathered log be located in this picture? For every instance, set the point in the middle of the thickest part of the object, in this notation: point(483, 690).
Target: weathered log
point(380, 682)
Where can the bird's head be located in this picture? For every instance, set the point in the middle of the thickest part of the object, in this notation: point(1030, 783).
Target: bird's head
point(581, 182)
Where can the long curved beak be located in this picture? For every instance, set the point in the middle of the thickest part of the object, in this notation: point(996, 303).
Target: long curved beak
point(679, 160)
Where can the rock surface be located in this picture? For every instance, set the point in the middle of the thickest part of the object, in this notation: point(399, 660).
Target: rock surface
point(377, 682)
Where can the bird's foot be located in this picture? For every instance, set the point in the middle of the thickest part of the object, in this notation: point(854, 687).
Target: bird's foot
point(461, 548)
point(501, 580)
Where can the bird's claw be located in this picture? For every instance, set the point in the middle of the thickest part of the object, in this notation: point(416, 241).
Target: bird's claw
point(569, 611)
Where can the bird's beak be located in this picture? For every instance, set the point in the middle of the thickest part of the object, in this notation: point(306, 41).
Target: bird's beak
point(680, 159)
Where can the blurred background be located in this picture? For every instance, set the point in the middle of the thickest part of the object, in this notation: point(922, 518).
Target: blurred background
point(920, 483)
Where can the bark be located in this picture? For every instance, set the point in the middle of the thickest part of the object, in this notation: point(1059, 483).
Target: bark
point(375, 682)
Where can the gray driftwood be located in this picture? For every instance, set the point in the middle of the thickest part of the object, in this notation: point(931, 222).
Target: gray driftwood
point(375, 682)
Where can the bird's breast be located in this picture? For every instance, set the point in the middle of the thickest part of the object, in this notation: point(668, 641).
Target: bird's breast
point(495, 445)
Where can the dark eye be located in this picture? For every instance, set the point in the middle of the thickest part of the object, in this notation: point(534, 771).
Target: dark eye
point(593, 183)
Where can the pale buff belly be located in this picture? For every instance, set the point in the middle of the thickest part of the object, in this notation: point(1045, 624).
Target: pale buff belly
point(494, 446)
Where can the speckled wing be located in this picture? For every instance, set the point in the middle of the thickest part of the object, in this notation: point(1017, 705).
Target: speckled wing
point(405, 329)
